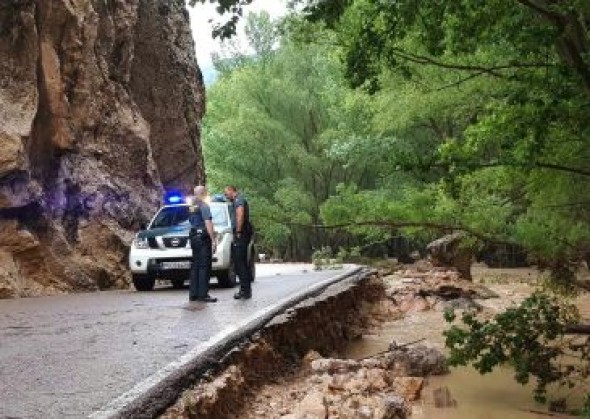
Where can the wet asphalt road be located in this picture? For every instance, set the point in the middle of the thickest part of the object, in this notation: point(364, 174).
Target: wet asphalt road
point(68, 356)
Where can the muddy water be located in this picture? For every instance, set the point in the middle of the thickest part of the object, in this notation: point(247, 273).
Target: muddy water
point(493, 396)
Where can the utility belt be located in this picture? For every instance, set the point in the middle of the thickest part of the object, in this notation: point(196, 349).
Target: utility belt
point(246, 234)
point(199, 233)
point(248, 230)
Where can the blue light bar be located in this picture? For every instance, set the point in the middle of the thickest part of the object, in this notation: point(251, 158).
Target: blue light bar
point(174, 198)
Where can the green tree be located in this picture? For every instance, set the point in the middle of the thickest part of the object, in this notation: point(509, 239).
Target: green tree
point(261, 33)
point(283, 129)
point(500, 91)
point(262, 37)
point(233, 8)
point(476, 118)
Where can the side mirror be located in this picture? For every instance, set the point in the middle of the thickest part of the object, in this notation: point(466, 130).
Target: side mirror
point(142, 226)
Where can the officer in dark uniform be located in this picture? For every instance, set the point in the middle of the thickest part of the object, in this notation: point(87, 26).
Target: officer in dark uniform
point(242, 230)
point(201, 238)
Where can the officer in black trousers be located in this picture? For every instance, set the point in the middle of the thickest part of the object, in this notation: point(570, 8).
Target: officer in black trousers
point(202, 243)
point(242, 230)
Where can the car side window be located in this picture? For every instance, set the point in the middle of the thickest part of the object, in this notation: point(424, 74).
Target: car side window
point(220, 215)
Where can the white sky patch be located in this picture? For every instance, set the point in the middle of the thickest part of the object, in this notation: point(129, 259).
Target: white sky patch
point(200, 15)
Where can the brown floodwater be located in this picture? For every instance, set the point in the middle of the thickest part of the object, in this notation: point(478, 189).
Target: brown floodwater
point(492, 396)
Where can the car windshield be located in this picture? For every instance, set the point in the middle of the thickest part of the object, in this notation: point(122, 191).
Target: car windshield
point(171, 217)
point(178, 216)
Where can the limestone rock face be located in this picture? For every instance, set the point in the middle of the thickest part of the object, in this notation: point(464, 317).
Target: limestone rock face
point(164, 86)
point(100, 106)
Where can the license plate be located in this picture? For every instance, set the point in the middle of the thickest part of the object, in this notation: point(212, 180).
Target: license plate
point(176, 265)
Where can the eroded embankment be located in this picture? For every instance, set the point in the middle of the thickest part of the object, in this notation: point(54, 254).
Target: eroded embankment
point(325, 323)
point(297, 346)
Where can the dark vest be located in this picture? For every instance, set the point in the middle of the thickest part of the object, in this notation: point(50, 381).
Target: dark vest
point(248, 228)
point(196, 216)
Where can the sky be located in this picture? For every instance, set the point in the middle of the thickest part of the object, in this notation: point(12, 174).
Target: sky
point(200, 15)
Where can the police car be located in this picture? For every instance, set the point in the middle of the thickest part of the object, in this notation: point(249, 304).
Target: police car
point(162, 249)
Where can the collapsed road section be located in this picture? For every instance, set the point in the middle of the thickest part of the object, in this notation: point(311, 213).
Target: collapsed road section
point(324, 324)
point(330, 309)
point(317, 361)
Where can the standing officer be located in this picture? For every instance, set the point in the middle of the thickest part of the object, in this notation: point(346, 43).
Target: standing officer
point(242, 230)
point(201, 238)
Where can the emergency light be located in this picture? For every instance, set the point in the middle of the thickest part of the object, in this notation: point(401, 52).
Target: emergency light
point(173, 198)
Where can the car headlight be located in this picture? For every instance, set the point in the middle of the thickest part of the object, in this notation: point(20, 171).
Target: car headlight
point(141, 243)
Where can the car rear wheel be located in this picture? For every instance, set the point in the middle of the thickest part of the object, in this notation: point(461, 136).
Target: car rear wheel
point(227, 278)
point(143, 282)
point(177, 284)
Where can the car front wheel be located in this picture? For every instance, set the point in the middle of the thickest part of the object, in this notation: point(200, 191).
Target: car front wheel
point(227, 278)
point(143, 282)
point(177, 284)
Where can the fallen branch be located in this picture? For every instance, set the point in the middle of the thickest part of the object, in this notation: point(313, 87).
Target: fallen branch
point(406, 224)
point(389, 350)
point(578, 329)
point(540, 412)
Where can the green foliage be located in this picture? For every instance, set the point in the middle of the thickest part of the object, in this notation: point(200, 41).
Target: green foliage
point(495, 37)
point(483, 126)
point(261, 33)
point(585, 413)
point(476, 97)
point(323, 258)
point(465, 115)
point(235, 8)
point(529, 337)
point(290, 139)
point(349, 255)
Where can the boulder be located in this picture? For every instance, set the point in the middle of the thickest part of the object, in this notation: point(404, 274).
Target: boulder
point(452, 251)
point(393, 406)
point(459, 304)
point(312, 406)
point(409, 387)
point(415, 361)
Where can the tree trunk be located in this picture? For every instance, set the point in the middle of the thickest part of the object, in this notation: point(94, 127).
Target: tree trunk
point(578, 329)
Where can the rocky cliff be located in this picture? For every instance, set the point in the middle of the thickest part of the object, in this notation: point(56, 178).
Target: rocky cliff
point(100, 106)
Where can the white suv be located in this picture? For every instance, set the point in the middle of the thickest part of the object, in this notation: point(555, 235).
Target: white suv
point(162, 250)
